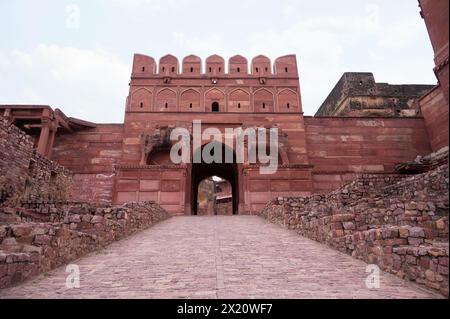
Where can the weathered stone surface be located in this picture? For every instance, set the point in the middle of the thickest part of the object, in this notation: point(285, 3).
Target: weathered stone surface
point(442, 224)
point(416, 232)
point(178, 271)
point(31, 248)
point(21, 230)
point(97, 219)
point(385, 223)
point(45, 180)
point(404, 231)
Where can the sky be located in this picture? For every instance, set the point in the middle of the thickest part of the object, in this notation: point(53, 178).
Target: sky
point(77, 55)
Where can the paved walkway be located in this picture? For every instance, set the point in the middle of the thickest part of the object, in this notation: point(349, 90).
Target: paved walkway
point(216, 257)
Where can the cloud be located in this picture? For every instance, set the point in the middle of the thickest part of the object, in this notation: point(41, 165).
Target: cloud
point(207, 45)
point(329, 45)
point(328, 37)
point(22, 60)
point(400, 36)
point(153, 6)
point(90, 84)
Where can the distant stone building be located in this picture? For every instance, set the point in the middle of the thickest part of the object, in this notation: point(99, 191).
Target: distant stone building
point(357, 94)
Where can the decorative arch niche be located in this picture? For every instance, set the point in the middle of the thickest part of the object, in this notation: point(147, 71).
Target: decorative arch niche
point(263, 101)
point(239, 101)
point(141, 100)
point(214, 96)
point(288, 101)
point(166, 101)
point(190, 101)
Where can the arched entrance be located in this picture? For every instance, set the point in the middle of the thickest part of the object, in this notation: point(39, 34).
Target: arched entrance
point(226, 171)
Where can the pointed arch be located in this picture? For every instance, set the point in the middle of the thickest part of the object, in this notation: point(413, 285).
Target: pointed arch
point(190, 100)
point(239, 100)
point(288, 100)
point(263, 101)
point(141, 100)
point(215, 95)
point(166, 100)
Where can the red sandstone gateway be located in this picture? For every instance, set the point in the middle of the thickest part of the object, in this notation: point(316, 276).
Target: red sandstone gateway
point(397, 223)
point(131, 161)
point(362, 127)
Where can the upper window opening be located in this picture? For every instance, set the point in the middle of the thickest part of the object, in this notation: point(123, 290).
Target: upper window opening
point(210, 69)
point(143, 69)
point(257, 69)
point(163, 69)
point(142, 105)
point(264, 105)
point(239, 105)
point(220, 69)
point(192, 69)
point(267, 69)
point(215, 107)
point(173, 69)
point(190, 105)
point(286, 70)
point(166, 105)
point(239, 70)
point(288, 106)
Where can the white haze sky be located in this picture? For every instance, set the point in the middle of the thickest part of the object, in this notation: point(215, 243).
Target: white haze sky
point(82, 66)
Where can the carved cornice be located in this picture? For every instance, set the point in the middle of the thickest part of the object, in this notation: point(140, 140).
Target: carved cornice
point(149, 167)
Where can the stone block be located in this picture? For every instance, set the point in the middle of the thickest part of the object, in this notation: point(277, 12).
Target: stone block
point(416, 232)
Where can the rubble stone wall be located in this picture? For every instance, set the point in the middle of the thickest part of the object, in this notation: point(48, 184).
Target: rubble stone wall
point(16, 150)
point(40, 237)
point(26, 175)
point(400, 224)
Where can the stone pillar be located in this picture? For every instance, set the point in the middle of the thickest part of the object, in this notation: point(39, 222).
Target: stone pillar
point(43, 138)
point(49, 151)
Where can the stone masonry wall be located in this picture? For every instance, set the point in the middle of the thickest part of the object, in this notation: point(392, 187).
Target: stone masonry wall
point(91, 156)
point(40, 237)
point(16, 149)
point(399, 223)
point(26, 175)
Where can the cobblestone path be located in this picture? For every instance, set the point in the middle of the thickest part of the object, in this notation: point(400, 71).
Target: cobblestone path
point(216, 257)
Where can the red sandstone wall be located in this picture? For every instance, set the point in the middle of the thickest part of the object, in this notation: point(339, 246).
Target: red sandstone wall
point(287, 181)
point(435, 104)
point(91, 155)
point(264, 187)
point(341, 148)
point(435, 112)
point(166, 187)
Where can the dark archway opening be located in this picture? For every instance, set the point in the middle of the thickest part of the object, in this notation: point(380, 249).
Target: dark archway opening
point(226, 171)
point(215, 107)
